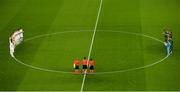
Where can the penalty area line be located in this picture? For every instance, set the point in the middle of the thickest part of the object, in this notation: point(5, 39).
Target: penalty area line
point(92, 42)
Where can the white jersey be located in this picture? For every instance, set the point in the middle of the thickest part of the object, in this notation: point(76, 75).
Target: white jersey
point(11, 47)
point(14, 40)
point(18, 37)
point(21, 33)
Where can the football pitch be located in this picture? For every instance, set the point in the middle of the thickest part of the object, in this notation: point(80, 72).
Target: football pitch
point(124, 37)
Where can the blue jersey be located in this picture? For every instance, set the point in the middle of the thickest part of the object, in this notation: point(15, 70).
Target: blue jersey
point(168, 44)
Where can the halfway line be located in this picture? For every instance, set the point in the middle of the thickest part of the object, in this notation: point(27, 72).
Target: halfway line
point(92, 42)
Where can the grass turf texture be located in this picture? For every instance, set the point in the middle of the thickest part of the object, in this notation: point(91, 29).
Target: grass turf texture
point(111, 51)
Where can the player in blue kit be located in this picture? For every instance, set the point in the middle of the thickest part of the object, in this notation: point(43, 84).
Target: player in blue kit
point(168, 40)
point(168, 46)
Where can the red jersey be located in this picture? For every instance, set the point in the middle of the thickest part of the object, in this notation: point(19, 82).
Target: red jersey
point(84, 62)
point(91, 63)
point(76, 63)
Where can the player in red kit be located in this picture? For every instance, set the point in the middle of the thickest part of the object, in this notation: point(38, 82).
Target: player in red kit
point(76, 66)
point(84, 63)
point(91, 65)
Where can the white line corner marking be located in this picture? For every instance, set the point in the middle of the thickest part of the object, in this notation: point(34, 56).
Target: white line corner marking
point(92, 42)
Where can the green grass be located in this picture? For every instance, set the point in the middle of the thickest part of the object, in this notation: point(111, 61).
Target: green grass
point(112, 51)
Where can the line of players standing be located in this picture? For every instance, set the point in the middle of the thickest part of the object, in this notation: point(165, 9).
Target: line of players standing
point(85, 65)
point(168, 41)
point(15, 39)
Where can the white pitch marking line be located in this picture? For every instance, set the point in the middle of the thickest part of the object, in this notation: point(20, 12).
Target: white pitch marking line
point(92, 42)
point(120, 71)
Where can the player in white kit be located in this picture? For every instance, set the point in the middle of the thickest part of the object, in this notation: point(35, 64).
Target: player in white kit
point(15, 39)
point(11, 47)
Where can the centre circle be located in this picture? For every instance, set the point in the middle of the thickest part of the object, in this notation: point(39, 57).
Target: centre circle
point(55, 52)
